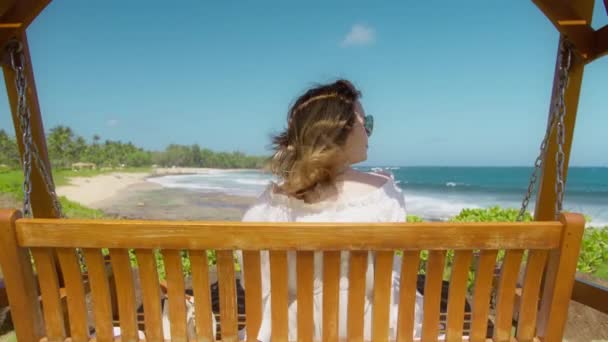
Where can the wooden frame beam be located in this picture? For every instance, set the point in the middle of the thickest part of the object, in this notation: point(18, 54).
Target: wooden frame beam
point(591, 294)
point(41, 201)
point(22, 12)
point(6, 5)
point(573, 20)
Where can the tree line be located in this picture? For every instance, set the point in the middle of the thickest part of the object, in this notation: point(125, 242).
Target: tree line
point(65, 148)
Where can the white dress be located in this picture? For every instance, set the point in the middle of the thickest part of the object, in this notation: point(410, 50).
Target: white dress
point(384, 204)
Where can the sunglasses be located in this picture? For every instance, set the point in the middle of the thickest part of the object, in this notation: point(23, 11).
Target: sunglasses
point(368, 124)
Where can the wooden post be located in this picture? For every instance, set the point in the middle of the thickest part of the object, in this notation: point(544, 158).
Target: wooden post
point(561, 267)
point(545, 200)
point(41, 201)
point(19, 280)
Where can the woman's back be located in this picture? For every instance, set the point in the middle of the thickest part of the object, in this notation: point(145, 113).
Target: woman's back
point(360, 197)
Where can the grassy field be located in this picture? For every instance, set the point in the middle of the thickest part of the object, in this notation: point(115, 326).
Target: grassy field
point(11, 180)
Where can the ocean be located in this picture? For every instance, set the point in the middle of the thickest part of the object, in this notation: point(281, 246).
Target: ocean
point(436, 193)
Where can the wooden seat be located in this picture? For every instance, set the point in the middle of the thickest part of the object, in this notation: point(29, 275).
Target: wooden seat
point(549, 248)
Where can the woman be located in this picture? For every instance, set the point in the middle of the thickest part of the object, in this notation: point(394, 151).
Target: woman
point(327, 131)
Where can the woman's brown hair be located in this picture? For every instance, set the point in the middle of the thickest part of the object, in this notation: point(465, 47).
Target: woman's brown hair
point(308, 154)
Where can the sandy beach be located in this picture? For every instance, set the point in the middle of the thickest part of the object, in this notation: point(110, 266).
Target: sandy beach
point(130, 195)
point(89, 191)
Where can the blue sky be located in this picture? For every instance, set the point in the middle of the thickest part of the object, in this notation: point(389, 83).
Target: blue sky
point(449, 83)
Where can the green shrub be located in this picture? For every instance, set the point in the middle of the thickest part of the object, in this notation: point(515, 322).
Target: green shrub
point(492, 214)
point(593, 256)
point(414, 219)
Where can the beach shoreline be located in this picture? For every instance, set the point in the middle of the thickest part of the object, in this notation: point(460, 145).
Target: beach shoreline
point(130, 195)
point(183, 171)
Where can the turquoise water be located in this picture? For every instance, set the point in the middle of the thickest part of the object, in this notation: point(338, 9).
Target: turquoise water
point(435, 191)
point(438, 193)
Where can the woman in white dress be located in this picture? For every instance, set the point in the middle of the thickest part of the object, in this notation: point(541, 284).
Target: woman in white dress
point(327, 131)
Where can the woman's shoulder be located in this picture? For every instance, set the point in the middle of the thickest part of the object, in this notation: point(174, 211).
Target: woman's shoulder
point(358, 184)
point(358, 190)
point(265, 206)
point(373, 179)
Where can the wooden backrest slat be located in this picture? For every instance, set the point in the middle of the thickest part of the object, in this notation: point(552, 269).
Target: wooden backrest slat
point(458, 291)
point(199, 266)
point(176, 294)
point(505, 295)
point(383, 267)
point(482, 289)
point(77, 310)
point(432, 295)
point(559, 279)
point(253, 293)
point(279, 293)
point(151, 294)
point(356, 295)
point(407, 295)
point(287, 236)
point(305, 277)
point(100, 293)
point(331, 295)
point(528, 308)
point(227, 293)
point(125, 293)
point(51, 303)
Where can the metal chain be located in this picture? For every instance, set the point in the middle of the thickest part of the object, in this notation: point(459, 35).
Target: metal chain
point(556, 118)
point(537, 166)
point(560, 156)
point(48, 182)
point(17, 62)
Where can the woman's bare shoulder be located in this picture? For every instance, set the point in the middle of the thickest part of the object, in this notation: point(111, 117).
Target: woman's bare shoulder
point(357, 182)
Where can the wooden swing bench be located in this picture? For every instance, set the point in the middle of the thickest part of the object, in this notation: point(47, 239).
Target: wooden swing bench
point(547, 250)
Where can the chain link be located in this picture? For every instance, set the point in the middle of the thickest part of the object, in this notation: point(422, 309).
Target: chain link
point(17, 62)
point(556, 120)
point(560, 156)
point(537, 166)
point(48, 181)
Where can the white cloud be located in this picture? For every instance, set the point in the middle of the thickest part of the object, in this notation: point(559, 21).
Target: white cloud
point(359, 35)
point(112, 122)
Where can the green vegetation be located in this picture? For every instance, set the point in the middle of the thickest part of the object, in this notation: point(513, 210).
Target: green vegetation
point(593, 258)
point(9, 337)
point(180, 155)
point(492, 214)
point(75, 210)
point(66, 148)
